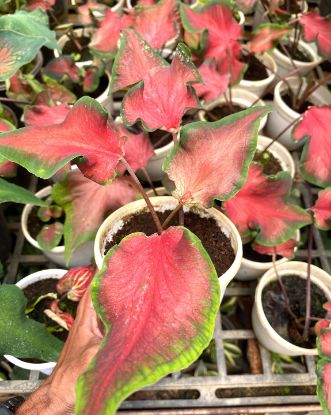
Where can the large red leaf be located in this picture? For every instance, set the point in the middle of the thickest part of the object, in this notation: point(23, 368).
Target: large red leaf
point(324, 385)
point(322, 209)
point(230, 63)
point(267, 36)
point(286, 249)
point(157, 23)
point(215, 83)
point(75, 282)
point(7, 168)
point(159, 312)
point(134, 60)
point(85, 132)
point(164, 96)
point(211, 159)
point(61, 67)
point(315, 163)
point(74, 193)
point(216, 21)
point(317, 28)
point(43, 115)
point(105, 38)
point(84, 11)
point(262, 206)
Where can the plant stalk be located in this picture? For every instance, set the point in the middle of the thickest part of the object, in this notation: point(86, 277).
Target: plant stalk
point(15, 101)
point(144, 195)
point(168, 220)
point(147, 176)
point(282, 132)
point(308, 283)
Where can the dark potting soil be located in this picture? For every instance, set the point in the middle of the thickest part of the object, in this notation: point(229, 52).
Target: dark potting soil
point(70, 47)
point(103, 85)
point(268, 161)
point(288, 101)
point(252, 255)
point(159, 138)
point(291, 7)
point(278, 316)
point(35, 224)
point(213, 239)
point(255, 71)
point(39, 288)
point(298, 54)
point(222, 111)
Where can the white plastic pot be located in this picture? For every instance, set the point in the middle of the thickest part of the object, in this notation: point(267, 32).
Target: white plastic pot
point(13, 118)
point(258, 87)
point(240, 97)
point(154, 166)
point(115, 221)
point(251, 270)
point(47, 367)
point(283, 115)
point(80, 257)
point(264, 332)
point(284, 64)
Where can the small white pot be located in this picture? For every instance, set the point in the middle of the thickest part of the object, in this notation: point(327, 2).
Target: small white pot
point(118, 6)
point(258, 87)
point(12, 114)
point(47, 367)
point(80, 257)
point(115, 221)
point(251, 270)
point(239, 96)
point(104, 99)
point(65, 38)
point(284, 64)
point(264, 332)
point(283, 115)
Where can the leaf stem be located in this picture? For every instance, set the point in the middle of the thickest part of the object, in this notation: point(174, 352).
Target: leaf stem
point(15, 101)
point(147, 176)
point(144, 195)
point(168, 220)
point(281, 133)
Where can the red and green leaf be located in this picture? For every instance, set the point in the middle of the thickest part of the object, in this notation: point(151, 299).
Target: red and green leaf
point(23, 88)
point(134, 299)
point(262, 206)
point(211, 159)
point(54, 94)
point(84, 11)
point(91, 79)
point(286, 249)
point(75, 193)
point(322, 209)
point(315, 163)
point(157, 105)
point(230, 63)
point(7, 168)
point(75, 282)
point(50, 236)
point(324, 385)
point(43, 115)
point(215, 83)
point(62, 318)
point(46, 213)
point(40, 4)
point(157, 23)
point(62, 67)
point(324, 343)
point(318, 29)
point(85, 132)
point(10, 192)
point(16, 50)
point(267, 36)
point(215, 22)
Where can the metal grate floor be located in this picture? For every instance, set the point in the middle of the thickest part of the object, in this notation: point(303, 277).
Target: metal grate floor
point(223, 393)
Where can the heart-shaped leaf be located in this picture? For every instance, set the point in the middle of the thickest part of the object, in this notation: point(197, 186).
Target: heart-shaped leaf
point(7, 168)
point(75, 282)
point(322, 209)
point(315, 163)
point(157, 23)
point(54, 94)
point(267, 36)
point(134, 60)
point(61, 67)
point(50, 236)
point(91, 79)
point(24, 337)
point(75, 193)
point(318, 29)
point(10, 192)
point(62, 318)
point(211, 159)
point(286, 249)
point(43, 115)
point(215, 22)
point(215, 83)
point(262, 205)
point(324, 385)
point(85, 132)
point(159, 312)
point(46, 213)
point(16, 50)
point(157, 105)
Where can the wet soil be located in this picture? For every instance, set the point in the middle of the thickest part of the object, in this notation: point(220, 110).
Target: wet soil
point(269, 162)
point(255, 71)
point(222, 111)
point(70, 47)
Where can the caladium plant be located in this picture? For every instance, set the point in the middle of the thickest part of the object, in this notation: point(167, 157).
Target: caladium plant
point(267, 36)
point(318, 29)
point(75, 282)
point(286, 249)
point(322, 209)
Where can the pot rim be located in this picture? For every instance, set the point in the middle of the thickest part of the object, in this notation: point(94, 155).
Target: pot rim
point(297, 268)
point(23, 283)
point(263, 82)
point(307, 48)
point(61, 41)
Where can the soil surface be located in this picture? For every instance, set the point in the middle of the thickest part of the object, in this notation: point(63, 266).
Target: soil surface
point(270, 164)
point(255, 71)
point(35, 225)
point(222, 111)
point(298, 54)
point(159, 138)
point(39, 288)
point(288, 101)
point(213, 239)
point(70, 48)
point(274, 306)
point(252, 255)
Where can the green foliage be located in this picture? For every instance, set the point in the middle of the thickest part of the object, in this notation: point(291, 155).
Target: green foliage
point(10, 192)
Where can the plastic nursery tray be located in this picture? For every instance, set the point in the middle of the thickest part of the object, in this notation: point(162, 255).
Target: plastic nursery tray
point(253, 388)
